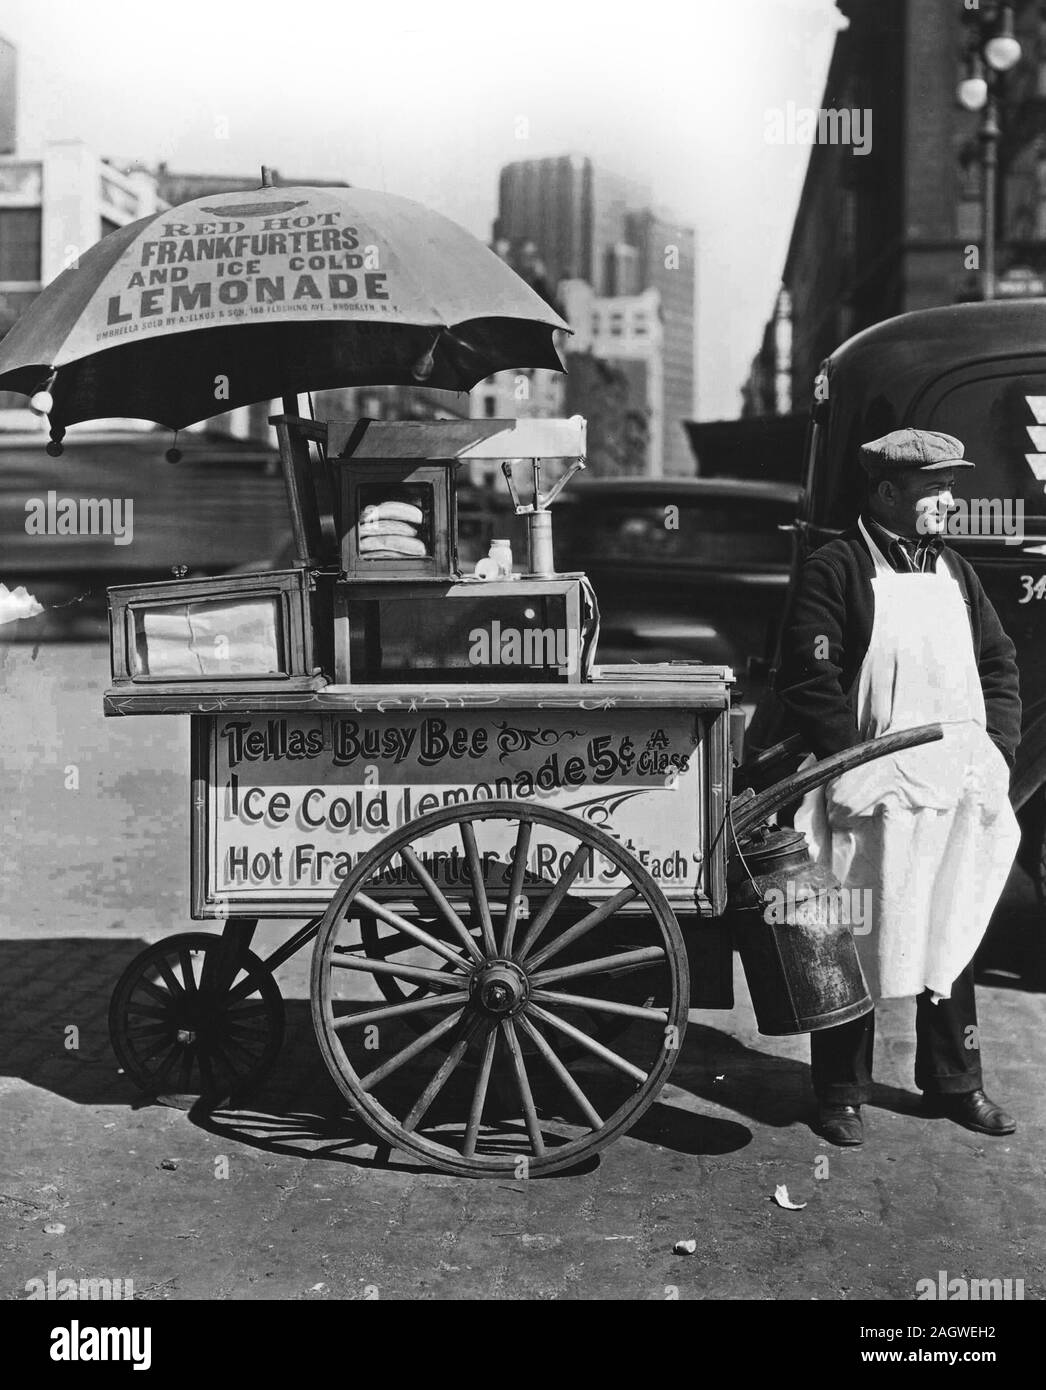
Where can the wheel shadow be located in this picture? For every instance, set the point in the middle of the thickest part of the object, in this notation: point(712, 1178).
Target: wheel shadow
point(54, 1035)
point(299, 1112)
point(767, 1089)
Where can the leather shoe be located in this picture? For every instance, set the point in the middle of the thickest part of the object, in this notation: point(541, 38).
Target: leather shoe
point(841, 1124)
point(973, 1110)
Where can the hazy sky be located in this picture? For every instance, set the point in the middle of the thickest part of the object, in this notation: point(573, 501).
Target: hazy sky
point(429, 100)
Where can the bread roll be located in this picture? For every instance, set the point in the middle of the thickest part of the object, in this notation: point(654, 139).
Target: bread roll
point(392, 545)
point(389, 527)
point(393, 511)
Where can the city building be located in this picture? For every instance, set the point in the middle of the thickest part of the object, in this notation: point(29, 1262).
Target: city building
point(8, 96)
point(626, 333)
point(901, 226)
point(571, 209)
point(585, 225)
point(768, 390)
point(666, 262)
point(53, 206)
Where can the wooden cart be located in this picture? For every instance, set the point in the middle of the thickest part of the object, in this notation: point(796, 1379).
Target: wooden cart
point(513, 872)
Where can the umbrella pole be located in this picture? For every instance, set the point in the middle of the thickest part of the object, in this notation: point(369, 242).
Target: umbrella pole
point(301, 500)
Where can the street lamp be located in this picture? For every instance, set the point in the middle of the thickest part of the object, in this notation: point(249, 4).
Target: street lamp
point(1002, 51)
point(973, 89)
point(996, 53)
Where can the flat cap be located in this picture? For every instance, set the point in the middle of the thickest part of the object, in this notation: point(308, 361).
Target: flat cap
point(924, 449)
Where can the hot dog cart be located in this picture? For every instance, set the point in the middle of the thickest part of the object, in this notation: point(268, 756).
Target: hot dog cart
point(512, 863)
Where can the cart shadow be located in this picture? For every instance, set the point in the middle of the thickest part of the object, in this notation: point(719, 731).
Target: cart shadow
point(298, 1112)
point(716, 1067)
point(54, 1029)
point(54, 1035)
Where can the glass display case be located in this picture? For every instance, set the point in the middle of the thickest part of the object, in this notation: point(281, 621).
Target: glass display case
point(398, 519)
point(512, 631)
point(257, 631)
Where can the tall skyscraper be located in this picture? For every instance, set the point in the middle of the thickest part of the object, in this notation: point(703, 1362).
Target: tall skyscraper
point(8, 96)
point(572, 209)
point(667, 263)
point(593, 225)
point(548, 201)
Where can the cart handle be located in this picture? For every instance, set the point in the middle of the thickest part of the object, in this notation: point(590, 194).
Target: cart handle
point(751, 810)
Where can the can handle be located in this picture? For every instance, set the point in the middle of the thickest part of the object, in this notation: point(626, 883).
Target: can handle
point(750, 810)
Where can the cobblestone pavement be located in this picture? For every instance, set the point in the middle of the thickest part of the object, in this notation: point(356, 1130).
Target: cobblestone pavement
point(92, 1185)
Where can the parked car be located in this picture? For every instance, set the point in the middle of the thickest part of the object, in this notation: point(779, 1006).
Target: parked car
point(691, 569)
point(223, 502)
point(977, 371)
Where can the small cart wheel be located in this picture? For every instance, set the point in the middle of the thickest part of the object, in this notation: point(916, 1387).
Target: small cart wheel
point(188, 1020)
point(529, 951)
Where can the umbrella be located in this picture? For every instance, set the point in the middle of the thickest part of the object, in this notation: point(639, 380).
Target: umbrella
point(233, 298)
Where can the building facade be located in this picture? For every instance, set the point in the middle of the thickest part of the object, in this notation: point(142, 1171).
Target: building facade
point(8, 96)
point(626, 333)
point(571, 209)
point(592, 227)
point(666, 263)
point(53, 206)
point(900, 227)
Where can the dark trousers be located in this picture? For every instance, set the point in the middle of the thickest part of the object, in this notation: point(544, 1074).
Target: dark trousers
point(841, 1058)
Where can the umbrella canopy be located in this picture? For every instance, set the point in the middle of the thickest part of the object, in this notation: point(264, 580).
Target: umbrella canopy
point(233, 298)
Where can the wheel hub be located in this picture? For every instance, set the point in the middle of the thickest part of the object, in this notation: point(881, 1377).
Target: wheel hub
point(500, 988)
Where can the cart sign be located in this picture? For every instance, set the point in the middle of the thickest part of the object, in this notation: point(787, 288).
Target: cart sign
point(315, 254)
point(286, 805)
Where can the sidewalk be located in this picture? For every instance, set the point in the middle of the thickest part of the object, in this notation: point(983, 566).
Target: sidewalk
point(93, 1187)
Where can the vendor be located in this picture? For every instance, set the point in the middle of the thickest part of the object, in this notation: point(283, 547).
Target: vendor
point(891, 629)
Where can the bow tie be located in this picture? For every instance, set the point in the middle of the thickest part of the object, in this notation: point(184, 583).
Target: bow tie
point(920, 555)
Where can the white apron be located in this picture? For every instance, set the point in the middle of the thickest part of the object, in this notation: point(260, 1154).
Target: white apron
point(924, 839)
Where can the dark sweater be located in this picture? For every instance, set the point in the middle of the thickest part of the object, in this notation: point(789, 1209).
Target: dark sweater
point(834, 600)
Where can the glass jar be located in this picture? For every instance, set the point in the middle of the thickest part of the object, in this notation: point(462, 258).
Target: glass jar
point(501, 553)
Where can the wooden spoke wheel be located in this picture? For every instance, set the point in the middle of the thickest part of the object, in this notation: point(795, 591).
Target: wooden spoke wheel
point(380, 944)
point(507, 1074)
point(192, 1018)
point(383, 943)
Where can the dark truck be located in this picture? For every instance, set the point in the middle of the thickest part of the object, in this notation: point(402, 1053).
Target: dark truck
point(977, 371)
